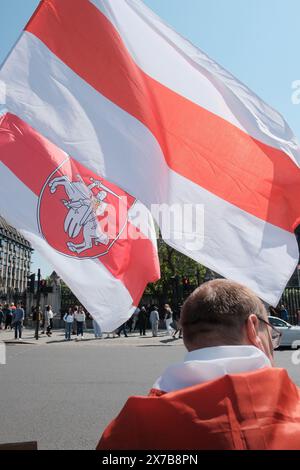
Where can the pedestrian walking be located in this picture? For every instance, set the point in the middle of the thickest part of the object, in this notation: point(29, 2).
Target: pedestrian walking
point(8, 316)
point(37, 316)
point(284, 314)
point(135, 318)
point(17, 321)
point(80, 320)
point(121, 329)
point(74, 327)
point(69, 320)
point(167, 316)
point(176, 321)
point(51, 316)
point(97, 329)
point(1, 316)
point(142, 321)
point(46, 321)
point(154, 320)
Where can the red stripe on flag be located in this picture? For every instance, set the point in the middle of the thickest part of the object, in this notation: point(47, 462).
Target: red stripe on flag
point(135, 263)
point(197, 144)
point(23, 154)
point(33, 159)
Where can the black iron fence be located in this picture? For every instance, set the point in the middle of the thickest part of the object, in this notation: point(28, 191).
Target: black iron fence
point(291, 300)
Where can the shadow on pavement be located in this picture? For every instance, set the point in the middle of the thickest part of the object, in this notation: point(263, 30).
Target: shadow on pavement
point(73, 340)
point(169, 340)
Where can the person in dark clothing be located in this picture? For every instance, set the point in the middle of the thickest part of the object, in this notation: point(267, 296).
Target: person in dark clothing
point(167, 316)
point(74, 324)
point(176, 319)
point(36, 314)
point(142, 320)
point(122, 329)
point(18, 318)
point(1, 316)
point(284, 315)
point(8, 316)
point(129, 323)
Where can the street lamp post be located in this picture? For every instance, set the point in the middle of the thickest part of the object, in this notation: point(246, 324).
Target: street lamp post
point(38, 299)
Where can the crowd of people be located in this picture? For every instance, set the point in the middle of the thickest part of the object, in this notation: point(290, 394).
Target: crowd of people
point(281, 311)
point(74, 323)
point(153, 318)
point(74, 320)
point(144, 318)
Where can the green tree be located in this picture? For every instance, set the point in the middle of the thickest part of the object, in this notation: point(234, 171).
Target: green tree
point(174, 267)
point(68, 299)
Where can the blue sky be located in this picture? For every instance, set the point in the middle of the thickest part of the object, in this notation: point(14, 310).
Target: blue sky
point(256, 40)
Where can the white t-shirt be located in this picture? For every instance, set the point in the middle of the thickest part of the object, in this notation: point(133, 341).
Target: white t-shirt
point(50, 314)
point(154, 316)
point(69, 318)
point(80, 317)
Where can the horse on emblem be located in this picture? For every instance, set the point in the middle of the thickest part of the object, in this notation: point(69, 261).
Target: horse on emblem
point(84, 209)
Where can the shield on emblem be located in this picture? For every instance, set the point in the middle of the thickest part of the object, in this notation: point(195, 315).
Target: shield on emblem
point(79, 213)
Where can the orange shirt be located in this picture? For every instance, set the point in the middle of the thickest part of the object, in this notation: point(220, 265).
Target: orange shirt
point(253, 410)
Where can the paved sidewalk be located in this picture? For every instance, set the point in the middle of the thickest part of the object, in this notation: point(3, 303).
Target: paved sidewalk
point(58, 336)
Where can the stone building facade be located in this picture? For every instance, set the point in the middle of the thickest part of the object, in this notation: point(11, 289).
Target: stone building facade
point(15, 260)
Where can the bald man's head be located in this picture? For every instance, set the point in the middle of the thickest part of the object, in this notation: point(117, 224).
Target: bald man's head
point(216, 314)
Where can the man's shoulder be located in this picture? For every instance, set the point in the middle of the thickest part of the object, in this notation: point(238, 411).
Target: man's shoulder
point(267, 394)
point(271, 391)
point(274, 382)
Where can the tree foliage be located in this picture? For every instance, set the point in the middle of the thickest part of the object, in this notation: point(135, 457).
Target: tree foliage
point(174, 268)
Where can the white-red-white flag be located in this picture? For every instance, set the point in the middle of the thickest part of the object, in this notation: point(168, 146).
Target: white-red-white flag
point(112, 85)
point(100, 239)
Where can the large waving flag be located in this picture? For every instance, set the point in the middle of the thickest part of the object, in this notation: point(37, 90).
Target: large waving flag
point(110, 84)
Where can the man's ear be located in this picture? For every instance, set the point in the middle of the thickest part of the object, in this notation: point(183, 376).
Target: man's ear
point(256, 339)
point(252, 328)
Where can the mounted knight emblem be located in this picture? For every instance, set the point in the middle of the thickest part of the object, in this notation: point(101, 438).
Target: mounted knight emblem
point(86, 204)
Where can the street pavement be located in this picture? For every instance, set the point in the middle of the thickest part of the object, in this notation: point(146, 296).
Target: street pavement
point(63, 394)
